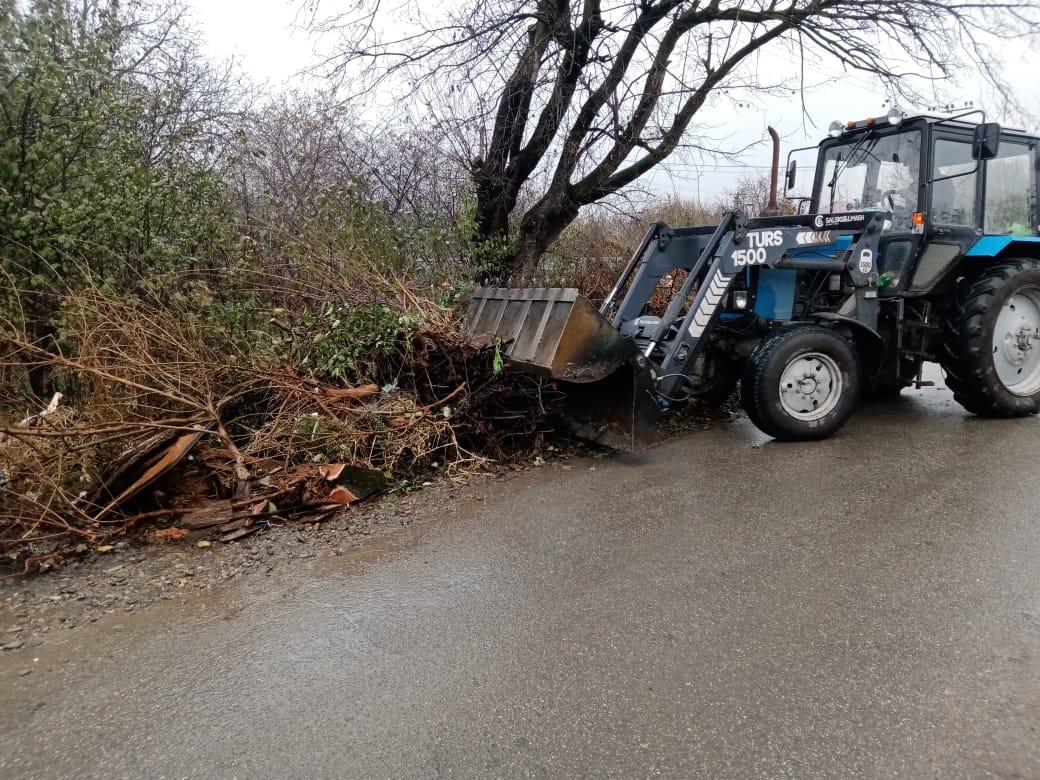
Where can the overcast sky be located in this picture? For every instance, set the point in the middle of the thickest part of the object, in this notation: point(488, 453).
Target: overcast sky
point(260, 34)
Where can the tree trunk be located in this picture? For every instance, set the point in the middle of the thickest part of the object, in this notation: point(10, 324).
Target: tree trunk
point(540, 227)
point(492, 208)
point(41, 310)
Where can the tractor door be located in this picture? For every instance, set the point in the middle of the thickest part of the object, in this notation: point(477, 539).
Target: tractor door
point(895, 175)
point(953, 207)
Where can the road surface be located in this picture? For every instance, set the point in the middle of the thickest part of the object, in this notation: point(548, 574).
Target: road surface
point(721, 606)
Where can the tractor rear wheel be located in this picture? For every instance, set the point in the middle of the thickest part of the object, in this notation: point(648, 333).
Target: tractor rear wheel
point(991, 352)
point(801, 382)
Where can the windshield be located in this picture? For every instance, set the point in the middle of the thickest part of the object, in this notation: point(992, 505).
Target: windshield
point(873, 172)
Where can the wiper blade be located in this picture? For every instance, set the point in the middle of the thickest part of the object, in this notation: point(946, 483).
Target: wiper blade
point(866, 150)
point(833, 183)
point(840, 168)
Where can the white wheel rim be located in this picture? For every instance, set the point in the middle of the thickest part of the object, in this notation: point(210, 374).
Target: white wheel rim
point(811, 386)
point(1016, 342)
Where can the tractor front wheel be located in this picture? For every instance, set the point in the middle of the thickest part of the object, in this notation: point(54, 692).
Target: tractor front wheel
point(801, 382)
point(991, 353)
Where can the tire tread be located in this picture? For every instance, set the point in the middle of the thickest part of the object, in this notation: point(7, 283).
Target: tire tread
point(756, 403)
point(967, 343)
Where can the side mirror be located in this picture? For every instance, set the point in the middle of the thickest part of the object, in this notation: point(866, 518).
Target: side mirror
point(986, 141)
point(792, 170)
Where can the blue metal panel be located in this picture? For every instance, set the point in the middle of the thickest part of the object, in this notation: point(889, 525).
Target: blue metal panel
point(991, 246)
point(774, 298)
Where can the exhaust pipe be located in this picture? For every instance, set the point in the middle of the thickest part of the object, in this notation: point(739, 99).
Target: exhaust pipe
point(772, 209)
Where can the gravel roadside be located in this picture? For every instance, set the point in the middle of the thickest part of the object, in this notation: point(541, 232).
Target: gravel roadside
point(37, 609)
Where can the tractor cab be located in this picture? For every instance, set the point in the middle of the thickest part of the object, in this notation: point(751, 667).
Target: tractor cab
point(944, 184)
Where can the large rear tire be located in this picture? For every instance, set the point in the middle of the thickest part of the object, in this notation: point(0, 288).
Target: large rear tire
point(991, 353)
point(801, 382)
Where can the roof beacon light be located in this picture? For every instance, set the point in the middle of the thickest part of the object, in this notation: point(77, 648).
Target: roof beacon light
point(836, 128)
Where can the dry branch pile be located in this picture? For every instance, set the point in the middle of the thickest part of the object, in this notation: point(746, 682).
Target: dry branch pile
point(172, 427)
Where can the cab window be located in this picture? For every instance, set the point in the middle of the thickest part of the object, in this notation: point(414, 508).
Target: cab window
point(953, 199)
point(1010, 191)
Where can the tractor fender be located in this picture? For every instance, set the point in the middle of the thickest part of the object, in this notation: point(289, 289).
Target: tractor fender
point(869, 345)
point(1000, 247)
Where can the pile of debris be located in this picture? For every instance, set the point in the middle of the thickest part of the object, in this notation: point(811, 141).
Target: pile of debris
point(210, 487)
point(170, 437)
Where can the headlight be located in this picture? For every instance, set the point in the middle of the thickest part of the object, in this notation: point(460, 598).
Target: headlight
point(739, 299)
point(895, 116)
point(836, 129)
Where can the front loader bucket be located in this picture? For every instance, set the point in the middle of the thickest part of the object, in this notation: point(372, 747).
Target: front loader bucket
point(620, 411)
point(550, 331)
point(555, 332)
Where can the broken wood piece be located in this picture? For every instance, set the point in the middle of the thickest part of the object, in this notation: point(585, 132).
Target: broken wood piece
point(350, 393)
point(332, 471)
point(294, 488)
point(207, 517)
point(120, 469)
point(235, 525)
point(145, 471)
point(154, 515)
point(320, 513)
point(230, 537)
point(340, 495)
point(221, 516)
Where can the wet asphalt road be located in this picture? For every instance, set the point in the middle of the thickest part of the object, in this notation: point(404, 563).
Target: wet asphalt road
point(720, 606)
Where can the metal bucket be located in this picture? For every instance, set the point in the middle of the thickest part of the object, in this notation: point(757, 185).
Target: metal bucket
point(557, 333)
point(550, 331)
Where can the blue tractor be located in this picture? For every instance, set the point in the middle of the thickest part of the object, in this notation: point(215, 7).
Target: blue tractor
point(919, 244)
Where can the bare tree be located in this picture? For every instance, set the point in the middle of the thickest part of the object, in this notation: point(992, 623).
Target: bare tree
point(300, 154)
point(588, 97)
point(750, 196)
